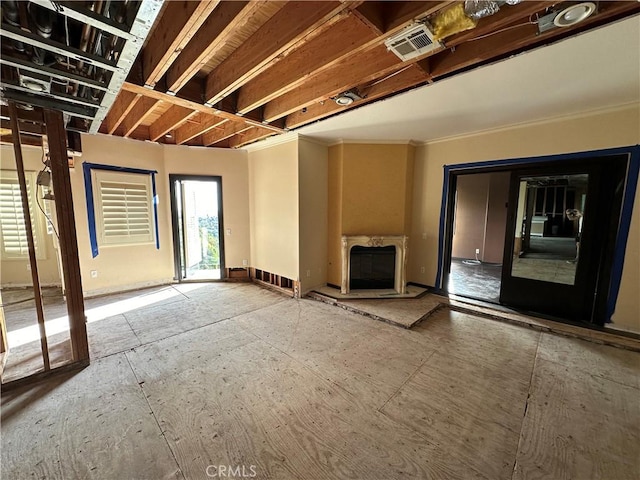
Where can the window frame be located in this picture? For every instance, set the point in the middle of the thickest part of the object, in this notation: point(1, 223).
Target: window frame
point(92, 171)
point(36, 220)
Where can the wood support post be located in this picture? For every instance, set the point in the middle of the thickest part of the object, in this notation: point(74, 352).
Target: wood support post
point(37, 293)
point(67, 230)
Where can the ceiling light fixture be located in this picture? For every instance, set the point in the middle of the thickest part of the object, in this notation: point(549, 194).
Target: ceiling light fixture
point(346, 98)
point(574, 14)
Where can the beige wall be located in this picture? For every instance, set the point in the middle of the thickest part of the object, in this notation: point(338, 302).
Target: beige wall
point(481, 216)
point(122, 267)
point(370, 193)
point(274, 213)
point(606, 129)
point(15, 272)
point(313, 192)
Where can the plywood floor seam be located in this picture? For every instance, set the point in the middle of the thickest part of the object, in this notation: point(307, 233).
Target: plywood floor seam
point(301, 390)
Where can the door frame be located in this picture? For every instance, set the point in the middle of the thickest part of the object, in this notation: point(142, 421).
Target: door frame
point(451, 172)
point(175, 235)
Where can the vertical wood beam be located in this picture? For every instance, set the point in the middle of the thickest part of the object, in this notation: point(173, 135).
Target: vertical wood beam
point(67, 231)
point(37, 293)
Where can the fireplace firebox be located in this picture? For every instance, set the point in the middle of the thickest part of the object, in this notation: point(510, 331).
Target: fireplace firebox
point(374, 262)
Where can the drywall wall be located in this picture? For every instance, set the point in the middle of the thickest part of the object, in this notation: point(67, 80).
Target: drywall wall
point(15, 272)
point(470, 216)
point(274, 213)
point(370, 193)
point(334, 214)
point(597, 130)
point(121, 267)
point(126, 267)
point(313, 201)
point(496, 222)
point(233, 167)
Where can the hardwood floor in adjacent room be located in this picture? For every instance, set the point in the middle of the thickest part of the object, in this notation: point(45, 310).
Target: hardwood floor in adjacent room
point(234, 379)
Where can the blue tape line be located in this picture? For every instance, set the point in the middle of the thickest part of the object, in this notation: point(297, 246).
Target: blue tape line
point(91, 219)
point(443, 212)
point(88, 186)
point(623, 232)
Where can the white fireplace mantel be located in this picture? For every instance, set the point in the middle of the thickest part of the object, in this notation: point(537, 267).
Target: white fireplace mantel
point(399, 241)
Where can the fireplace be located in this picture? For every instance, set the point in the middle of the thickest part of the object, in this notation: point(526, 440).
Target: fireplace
point(374, 262)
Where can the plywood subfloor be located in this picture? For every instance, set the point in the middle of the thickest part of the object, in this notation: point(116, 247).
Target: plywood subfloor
point(298, 389)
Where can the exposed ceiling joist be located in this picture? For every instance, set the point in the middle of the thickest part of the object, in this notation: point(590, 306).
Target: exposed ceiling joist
point(178, 25)
point(294, 23)
point(199, 124)
point(214, 33)
point(171, 119)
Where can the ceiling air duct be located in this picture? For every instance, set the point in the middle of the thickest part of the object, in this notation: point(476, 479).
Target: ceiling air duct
point(566, 17)
point(412, 41)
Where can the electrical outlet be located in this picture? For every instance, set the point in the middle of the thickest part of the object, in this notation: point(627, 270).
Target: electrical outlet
point(244, 263)
point(28, 267)
point(94, 273)
point(477, 251)
point(308, 273)
point(228, 231)
point(421, 269)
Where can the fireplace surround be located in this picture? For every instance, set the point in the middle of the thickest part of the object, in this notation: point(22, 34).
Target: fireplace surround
point(398, 241)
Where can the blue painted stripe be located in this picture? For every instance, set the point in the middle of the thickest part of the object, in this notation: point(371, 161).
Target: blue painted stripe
point(91, 218)
point(88, 187)
point(623, 231)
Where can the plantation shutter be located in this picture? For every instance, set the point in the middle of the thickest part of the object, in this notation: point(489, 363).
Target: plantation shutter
point(126, 208)
point(12, 227)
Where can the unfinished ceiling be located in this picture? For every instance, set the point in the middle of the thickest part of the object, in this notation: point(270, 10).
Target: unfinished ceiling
point(539, 85)
point(228, 73)
point(70, 56)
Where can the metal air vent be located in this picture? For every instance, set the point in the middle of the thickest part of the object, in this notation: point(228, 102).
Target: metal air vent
point(412, 41)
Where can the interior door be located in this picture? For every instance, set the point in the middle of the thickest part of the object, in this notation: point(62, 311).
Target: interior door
point(566, 219)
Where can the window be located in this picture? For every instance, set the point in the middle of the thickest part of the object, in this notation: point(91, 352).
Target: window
point(13, 232)
point(124, 207)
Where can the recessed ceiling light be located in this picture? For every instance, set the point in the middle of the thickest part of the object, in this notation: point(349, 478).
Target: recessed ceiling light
point(346, 98)
point(574, 14)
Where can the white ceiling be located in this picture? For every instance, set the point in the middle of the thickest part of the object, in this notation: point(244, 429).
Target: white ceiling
point(595, 70)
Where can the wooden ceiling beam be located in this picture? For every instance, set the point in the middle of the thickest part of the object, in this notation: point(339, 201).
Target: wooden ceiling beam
point(213, 34)
point(177, 26)
point(228, 130)
point(141, 110)
point(354, 70)
point(33, 116)
point(169, 120)
point(294, 24)
point(32, 140)
point(404, 79)
point(25, 127)
point(373, 15)
point(319, 54)
point(509, 41)
point(193, 105)
point(249, 136)
point(199, 124)
point(121, 107)
point(399, 14)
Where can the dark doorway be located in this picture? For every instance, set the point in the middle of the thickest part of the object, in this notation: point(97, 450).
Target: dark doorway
point(196, 210)
point(563, 226)
point(372, 267)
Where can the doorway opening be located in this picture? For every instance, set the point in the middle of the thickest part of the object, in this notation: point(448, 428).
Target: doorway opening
point(477, 243)
point(564, 222)
point(196, 210)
